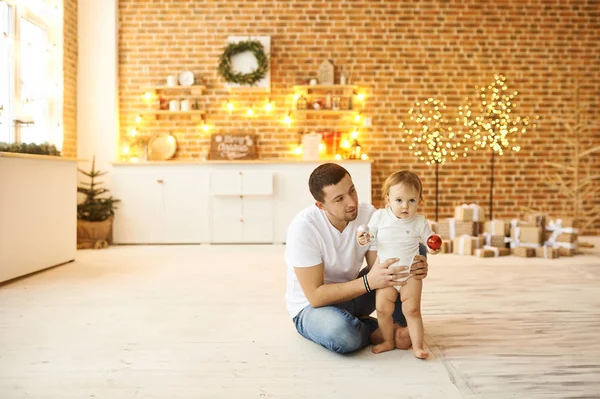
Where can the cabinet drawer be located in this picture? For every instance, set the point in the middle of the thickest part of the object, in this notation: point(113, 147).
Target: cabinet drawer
point(241, 183)
point(257, 183)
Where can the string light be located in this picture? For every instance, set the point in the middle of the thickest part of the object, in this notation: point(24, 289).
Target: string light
point(250, 112)
point(360, 96)
point(357, 117)
point(269, 106)
point(138, 119)
point(229, 106)
point(288, 119)
point(354, 134)
point(148, 96)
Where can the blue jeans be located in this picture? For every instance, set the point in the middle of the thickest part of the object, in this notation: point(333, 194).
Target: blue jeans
point(345, 327)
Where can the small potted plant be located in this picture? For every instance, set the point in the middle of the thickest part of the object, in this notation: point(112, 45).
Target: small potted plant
point(95, 214)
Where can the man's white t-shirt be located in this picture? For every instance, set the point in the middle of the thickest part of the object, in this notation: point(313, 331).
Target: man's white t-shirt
point(398, 238)
point(311, 240)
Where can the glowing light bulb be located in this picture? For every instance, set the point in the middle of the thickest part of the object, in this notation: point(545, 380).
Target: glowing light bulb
point(345, 143)
point(360, 97)
point(322, 148)
point(147, 96)
point(357, 118)
point(205, 127)
point(250, 112)
point(354, 135)
point(138, 119)
point(287, 120)
point(269, 107)
point(338, 157)
point(133, 132)
point(125, 150)
point(229, 106)
point(364, 157)
point(298, 150)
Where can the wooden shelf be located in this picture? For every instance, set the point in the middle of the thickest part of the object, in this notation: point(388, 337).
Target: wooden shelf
point(156, 114)
point(324, 87)
point(248, 89)
point(325, 112)
point(193, 88)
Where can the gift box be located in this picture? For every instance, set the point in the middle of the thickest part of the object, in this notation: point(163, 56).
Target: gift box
point(566, 251)
point(547, 252)
point(465, 245)
point(449, 229)
point(498, 251)
point(524, 252)
point(537, 219)
point(446, 247)
point(469, 213)
point(566, 237)
point(494, 241)
point(525, 234)
point(484, 253)
point(497, 227)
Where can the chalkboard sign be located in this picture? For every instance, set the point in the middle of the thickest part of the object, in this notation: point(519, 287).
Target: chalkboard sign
point(232, 146)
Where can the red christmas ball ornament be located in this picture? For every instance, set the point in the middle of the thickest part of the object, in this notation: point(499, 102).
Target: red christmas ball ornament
point(434, 242)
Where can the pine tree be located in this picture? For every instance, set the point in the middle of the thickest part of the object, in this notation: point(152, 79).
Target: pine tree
point(96, 207)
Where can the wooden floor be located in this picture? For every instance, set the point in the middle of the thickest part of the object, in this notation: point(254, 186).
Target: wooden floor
point(210, 322)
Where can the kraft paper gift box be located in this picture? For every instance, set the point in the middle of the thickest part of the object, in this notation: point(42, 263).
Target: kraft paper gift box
point(524, 252)
point(497, 227)
point(498, 251)
point(469, 213)
point(525, 234)
point(566, 251)
point(464, 245)
point(537, 219)
point(484, 253)
point(446, 247)
point(449, 229)
point(566, 237)
point(494, 241)
point(433, 226)
point(547, 252)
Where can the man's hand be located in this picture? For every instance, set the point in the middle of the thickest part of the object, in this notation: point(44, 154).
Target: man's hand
point(382, 275)
point(419, 267)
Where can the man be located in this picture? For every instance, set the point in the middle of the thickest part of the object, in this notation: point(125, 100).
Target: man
point(327, 295)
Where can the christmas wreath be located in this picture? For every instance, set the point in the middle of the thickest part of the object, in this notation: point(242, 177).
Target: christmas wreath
point(233, 49)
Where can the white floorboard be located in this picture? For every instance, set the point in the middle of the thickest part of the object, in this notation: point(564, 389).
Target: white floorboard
point(210, 322)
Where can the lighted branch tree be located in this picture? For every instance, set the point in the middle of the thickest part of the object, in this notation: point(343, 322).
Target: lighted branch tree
point(429, 137)
point(490, 123)
point(576, 180)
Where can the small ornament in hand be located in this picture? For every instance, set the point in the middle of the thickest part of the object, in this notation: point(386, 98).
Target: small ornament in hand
point(434, 242)
point(363, 235)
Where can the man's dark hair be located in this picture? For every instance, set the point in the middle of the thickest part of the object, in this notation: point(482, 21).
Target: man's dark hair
point(325, 175)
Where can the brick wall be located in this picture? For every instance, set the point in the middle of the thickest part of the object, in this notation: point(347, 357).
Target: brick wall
point(70, 78)
point(401, 52)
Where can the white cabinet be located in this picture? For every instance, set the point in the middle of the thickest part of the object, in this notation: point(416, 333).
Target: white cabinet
point(242, 206)
point(216, 202)
point(160, 206)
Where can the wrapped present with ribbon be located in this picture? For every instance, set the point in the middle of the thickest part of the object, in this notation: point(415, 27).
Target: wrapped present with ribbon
point(563, 234)
point(465, 245)
point(446, 247)
point(547, 252)
point(433, 226)
point(495, 241)
point(537, 219)
point(498, 251)
point(497, 227)
point(562, 251)
point(484, 253)
point(449, 229)
point(525, 235)
point(469, 213)
point(524, 252)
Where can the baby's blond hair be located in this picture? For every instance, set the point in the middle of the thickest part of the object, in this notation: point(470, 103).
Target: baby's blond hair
point(402, 177)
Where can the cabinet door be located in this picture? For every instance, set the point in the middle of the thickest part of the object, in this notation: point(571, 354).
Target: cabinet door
point(257, 183)
point(139, 217)
point(186, 207)
point(257, 225)
point(226, 219)
point(226, 182)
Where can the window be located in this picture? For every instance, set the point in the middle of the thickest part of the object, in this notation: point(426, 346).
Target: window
point(24, 75)
point(6, 62)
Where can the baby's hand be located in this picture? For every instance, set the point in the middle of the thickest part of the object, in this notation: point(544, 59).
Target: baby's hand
point(362, 238)
point(434, 251)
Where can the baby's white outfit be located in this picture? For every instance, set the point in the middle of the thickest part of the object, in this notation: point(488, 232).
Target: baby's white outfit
point(398, 238)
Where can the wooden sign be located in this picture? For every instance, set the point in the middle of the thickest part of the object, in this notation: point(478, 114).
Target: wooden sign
point(325, 73)
point(232, 146)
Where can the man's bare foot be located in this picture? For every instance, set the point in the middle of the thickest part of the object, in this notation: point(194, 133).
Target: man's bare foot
point(402, 338)
point(420, 353)
point(383, 347)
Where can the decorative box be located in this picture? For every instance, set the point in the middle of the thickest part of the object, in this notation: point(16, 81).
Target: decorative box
point(524, 252)
point(527, 234)
point(465, 245)
point(449, 229)
point(484, 253)
point(566, 251)
point(494, 241)
point(497, 227)
point(446, 247)
point(547, 252)
point(469, 213)
point(498, 251)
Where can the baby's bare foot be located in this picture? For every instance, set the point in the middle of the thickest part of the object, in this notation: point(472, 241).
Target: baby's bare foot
point(420, 353)
point(402, 338)
point(383, 347)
